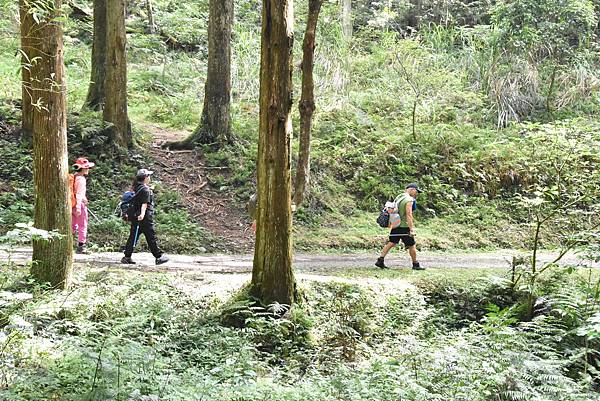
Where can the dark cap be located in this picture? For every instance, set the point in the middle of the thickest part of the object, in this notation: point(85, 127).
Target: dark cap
point(415, 186)
point(143, 173)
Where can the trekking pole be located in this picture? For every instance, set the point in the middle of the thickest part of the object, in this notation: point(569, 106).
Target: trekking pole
point(94, 215)
point(135, 238)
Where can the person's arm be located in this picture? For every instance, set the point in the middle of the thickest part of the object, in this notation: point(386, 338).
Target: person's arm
point(409, 218)
point(143, 212)
point(80, 189)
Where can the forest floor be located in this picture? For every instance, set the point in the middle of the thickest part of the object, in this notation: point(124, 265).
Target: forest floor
point(219, 275)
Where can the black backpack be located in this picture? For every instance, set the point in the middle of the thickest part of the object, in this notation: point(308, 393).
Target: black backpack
point(383, 220)
point(126, 207)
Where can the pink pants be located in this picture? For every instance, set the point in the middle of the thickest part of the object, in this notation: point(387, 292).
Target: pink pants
point(80, 223)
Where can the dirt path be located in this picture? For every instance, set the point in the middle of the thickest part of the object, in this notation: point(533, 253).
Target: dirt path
point(210, 205)
point(303, 263)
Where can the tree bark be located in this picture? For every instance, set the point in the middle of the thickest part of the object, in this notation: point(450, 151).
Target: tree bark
point(52, 259)
point(272, 275)
point(307, 101)
point(27, 60)
point(414, 14)
point(215, 122)
point(150, 12)
point(115, 107)
point(347, 18)
point(96, 94)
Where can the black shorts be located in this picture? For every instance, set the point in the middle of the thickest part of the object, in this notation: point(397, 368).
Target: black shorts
point(401, 234)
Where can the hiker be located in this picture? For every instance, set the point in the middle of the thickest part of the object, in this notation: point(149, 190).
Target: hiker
point(142, 222)
point(402, 226)
point(79, 201)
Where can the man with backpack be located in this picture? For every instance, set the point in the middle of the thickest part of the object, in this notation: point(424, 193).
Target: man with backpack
point(141, 216)
point(402, 229)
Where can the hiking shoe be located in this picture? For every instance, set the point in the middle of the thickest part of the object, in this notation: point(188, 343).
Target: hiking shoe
point(81, 250)
point(380, 263)
point(162, 259)
point(126, 260)
point(417, 266)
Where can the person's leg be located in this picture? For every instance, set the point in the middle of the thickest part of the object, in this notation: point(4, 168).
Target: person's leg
point(147, 227)
point(73, 220)
point(82, 225)
point(380, 260)
point(412, 251)
point(386, 249)
point(131, 240)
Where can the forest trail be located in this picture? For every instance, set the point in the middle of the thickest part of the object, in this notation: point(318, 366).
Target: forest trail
point(212, 207)
point(322, 264)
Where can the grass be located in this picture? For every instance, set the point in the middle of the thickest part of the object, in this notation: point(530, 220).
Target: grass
point(121, 334)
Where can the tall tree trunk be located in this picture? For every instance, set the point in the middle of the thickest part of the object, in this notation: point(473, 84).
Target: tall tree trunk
point(347, 18)
point(52, 259)
point(272, 276)
point(150, 12)
point(96, 95)
point(27, 60)
point(215, 123)
point(115, 107)
point(307, 101)
point(414, 13)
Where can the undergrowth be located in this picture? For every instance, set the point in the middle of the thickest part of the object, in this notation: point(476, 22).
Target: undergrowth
point(126, 335)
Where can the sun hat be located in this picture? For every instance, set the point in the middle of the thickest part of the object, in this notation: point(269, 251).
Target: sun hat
point(144, 173)
point(82, 162)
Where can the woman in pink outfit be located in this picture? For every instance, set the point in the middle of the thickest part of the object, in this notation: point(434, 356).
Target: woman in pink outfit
point(79, 212)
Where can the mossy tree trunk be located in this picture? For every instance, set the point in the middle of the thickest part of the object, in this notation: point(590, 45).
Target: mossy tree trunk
point(347, 18)
point(52, 259)
point(307, 101)
point(272, 275)
point(27, 60)
point(96, 94)
point(215, 122)
point(115, 106)
point(151, 21)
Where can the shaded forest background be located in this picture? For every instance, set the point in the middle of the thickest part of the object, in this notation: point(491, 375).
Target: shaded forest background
point(502, 93)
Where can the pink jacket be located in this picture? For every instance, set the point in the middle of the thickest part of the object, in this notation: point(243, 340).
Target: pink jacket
point(80, 189)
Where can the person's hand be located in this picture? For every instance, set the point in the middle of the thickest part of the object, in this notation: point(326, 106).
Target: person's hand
point(77, 211)
point(254, 226)
point(412, 233)
point(140, 217)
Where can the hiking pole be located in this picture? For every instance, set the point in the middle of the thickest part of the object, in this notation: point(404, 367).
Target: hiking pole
point(135, 238)
point(94, 215)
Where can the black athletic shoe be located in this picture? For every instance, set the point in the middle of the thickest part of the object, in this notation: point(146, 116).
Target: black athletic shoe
point(380, 263)
point(162, 259)
point(417, 266)
point(81, 250)
point(127, 261)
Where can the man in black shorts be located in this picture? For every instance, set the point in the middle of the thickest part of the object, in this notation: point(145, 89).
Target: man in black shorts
point(404, 230)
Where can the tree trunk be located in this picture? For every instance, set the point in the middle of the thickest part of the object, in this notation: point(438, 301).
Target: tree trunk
point(52, 259)
point(96, 95)
point(347, 18)
point(27, 60)
point(115, 107)
point(307, 101)
point(272, 276)
point(215, 123)
point(150, 12)
point(414, 14)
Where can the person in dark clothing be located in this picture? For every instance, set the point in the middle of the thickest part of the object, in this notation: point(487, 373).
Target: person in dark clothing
point(143, 220)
